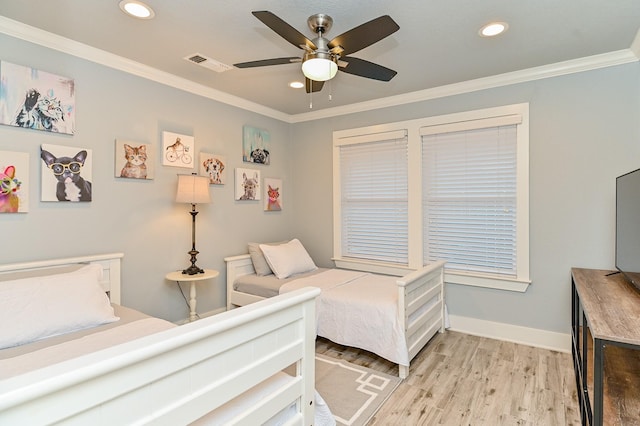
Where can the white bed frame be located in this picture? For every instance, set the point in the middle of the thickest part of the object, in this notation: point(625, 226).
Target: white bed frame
point(178, 375)
point(420, 301)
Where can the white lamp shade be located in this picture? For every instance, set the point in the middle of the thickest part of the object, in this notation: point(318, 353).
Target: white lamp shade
point(193, 189)
point(319, 69)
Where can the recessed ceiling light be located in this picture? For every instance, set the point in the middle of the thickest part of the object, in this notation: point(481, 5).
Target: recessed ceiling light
point(493, 29)
point(296, 84)
point(136, 9)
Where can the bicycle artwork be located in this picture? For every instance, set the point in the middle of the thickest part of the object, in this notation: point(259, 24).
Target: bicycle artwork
point(178, 150)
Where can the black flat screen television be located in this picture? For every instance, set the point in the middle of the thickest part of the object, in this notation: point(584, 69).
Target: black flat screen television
point(628, 226)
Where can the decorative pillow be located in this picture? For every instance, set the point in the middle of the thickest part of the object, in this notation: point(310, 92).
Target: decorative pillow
point(38, 307)
point(257, 258)
point(288, 259)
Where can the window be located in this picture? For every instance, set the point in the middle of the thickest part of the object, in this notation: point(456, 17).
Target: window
point(374, 198)
point(452, 187)
point(469, 200)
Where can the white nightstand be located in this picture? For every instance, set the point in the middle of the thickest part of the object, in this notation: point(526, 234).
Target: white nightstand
point(179, 277)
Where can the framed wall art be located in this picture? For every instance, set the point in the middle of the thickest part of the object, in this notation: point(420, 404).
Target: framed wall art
point(247, 184)
point(36, 99)
point(272, 194)
point(14, 182)
point(66, 173)
point(213, 166)
point(134, 160)
point(178, 150)
point(255, 145)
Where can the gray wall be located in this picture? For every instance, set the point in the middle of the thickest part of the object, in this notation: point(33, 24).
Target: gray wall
point(140, 218)
point(584, 131)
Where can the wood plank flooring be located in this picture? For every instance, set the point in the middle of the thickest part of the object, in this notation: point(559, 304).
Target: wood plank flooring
point(459, 379)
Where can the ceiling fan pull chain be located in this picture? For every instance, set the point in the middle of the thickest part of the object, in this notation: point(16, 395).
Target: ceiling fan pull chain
point(310, 100)
point(330, 91)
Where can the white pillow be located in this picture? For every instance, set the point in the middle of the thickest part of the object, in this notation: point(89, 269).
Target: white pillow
point(288, 259)
point(260, 264)
point(38, 307)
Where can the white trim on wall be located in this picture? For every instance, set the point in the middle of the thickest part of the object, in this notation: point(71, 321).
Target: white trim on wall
point(71, 47)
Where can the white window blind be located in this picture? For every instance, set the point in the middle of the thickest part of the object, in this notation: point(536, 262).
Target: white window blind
point(470, 199)
point(374, 199)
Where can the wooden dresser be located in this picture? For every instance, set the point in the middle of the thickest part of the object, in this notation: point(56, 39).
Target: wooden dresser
point(605, 332)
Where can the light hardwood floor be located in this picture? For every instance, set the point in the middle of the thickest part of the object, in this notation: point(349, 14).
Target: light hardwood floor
point(459, 379)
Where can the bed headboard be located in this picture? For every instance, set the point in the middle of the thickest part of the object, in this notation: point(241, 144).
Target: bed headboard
point(110, 270)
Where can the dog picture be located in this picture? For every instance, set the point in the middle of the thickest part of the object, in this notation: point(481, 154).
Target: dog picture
point(260, 156)
point(247, 184)
point(213, 167)
point(67, 172)
point(255, 146)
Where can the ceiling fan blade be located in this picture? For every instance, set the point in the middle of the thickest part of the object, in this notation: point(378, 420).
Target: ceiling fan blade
point(364, 35)
point(266, 62)
point(313, 86)
point(284, 30)
point(367, 69)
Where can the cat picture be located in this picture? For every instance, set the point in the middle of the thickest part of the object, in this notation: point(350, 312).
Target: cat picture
point(40, 112)
point(136, 157)
point(14, 182)
point(35, 99)
point(133, 160)
point(273, 195)
point(70, 185)
point(9, 188)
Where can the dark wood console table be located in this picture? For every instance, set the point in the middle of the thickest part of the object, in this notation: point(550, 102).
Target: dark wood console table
point(605, 334)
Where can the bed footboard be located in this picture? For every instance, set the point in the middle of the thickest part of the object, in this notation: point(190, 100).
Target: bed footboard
point(421, 304)
point(179, 375)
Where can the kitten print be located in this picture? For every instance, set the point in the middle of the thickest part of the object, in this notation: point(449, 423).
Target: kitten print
point(274, 199)
point(136, 158)
point(40, 112)
point(9, 187)
point(71, 186)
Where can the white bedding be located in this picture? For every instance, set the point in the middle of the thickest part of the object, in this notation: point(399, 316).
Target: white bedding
point(74, 348)
point(367, 302)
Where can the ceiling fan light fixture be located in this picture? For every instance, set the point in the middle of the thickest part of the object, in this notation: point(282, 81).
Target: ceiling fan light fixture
point(319, 66)
point(137, 9)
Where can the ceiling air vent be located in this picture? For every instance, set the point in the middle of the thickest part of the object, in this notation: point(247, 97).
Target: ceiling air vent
point(205, 62)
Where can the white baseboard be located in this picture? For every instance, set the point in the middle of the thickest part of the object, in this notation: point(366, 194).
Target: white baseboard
point(512, 333)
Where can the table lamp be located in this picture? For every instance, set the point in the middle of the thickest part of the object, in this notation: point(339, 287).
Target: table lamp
point(193, 189)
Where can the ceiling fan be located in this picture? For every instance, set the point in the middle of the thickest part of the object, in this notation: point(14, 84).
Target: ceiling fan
point(322, 58)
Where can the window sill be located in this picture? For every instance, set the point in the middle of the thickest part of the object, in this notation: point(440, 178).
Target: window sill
point(461, 278)
point(497, 283)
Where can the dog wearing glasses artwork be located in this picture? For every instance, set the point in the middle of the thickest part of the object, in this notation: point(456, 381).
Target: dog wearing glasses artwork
point(71, 186)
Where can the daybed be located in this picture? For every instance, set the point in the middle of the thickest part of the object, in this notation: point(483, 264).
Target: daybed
point(213, 371)
point(393, 317)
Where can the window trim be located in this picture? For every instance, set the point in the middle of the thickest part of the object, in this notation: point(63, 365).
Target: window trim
point(413, 128)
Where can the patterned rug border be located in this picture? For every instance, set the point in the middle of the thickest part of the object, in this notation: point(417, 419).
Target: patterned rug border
point(394, 381)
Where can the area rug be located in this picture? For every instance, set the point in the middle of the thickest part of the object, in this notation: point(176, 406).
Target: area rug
point(353, 393)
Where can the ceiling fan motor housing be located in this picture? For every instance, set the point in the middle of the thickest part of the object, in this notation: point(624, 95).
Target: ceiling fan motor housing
point(320, 23)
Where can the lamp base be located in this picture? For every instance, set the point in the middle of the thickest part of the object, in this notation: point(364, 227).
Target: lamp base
point(193, 269)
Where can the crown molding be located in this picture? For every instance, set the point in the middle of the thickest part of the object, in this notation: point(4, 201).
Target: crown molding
point(538, 73)
point(35, 35)
point(62, 44)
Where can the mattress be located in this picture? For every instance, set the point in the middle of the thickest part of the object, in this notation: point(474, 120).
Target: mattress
point(132, 325)
point(267, 285)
